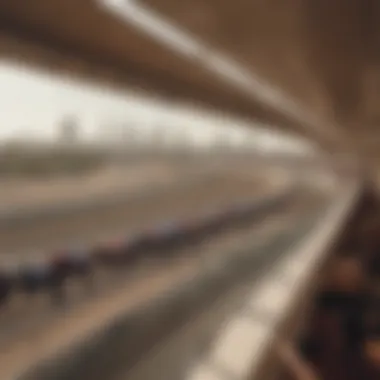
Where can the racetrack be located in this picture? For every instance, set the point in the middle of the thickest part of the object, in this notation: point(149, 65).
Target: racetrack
point(20, 335)
point(188, 194)
point(141, 330)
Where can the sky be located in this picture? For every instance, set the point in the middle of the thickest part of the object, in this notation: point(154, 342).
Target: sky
point(33, 103)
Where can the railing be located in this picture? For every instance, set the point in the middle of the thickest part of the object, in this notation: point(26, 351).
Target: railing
point(277, 306)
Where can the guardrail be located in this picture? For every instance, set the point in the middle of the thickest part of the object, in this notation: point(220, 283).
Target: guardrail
point(244, 349)
point(78, 359)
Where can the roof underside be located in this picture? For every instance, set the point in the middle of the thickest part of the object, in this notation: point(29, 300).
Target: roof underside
point(322, 53)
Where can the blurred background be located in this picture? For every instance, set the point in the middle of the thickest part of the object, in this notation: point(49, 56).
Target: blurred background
point(166, 166)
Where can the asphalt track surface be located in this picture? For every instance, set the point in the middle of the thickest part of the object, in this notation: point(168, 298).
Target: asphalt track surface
point(175, 328)
point(27, 322)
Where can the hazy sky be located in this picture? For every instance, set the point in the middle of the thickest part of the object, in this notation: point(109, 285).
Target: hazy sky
point(34, 102)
